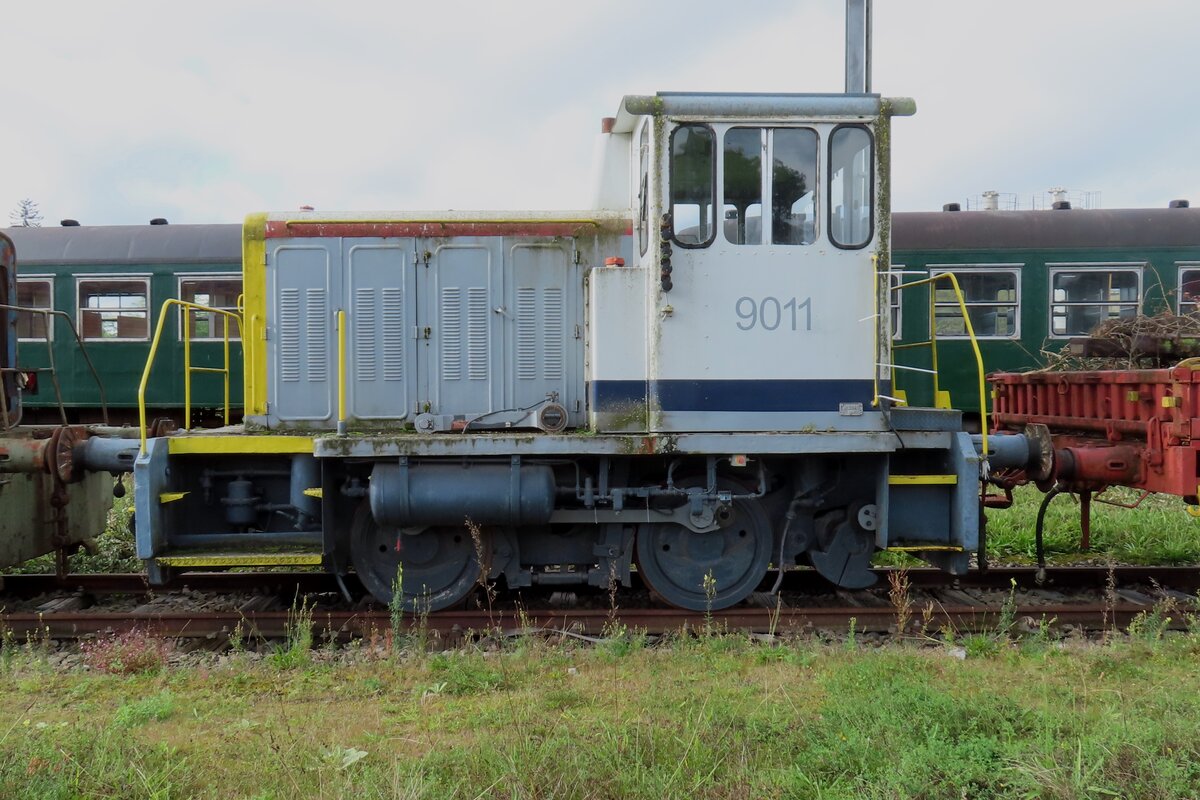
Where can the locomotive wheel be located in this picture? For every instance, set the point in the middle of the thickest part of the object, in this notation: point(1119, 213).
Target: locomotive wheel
point(435, 567)
point(675, 561)
point(843, 553)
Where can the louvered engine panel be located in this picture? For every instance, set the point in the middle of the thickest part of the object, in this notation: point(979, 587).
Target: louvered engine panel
point(542, 340)
point(301, 340)
point(379, 289)
point(462, 281)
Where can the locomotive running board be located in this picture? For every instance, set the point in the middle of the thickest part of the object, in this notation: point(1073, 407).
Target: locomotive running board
point(242, 560)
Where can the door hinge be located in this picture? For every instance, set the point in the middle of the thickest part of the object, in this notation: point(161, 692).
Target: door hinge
point(577, 258)
point(422, 332)
point(578, 332)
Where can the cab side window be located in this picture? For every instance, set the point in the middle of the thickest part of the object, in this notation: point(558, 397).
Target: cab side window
point(643, 196)
point(693, 179)
point(851, 187)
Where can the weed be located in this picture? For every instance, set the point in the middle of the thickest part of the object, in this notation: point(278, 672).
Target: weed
point(852, 634)
point(420, 636)
point(37, 641)
point(776, 613)
point(620, 640)
point(1042, 637)
point(1150, 626)
point(980, 644)
point(296, 650)
point(525, 625)
point(8, 647)
point(926, 618)
point(901, 599)
point(396, 609)
point(131, 651)
point(1008, 612)
point(482, 560)
point(465, 674)
point(710, 593)
point(612, 593)
point(1110, 601)
point(154, 708)
point(237, 637)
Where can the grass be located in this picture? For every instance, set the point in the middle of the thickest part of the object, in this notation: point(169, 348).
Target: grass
point(1158, 531)
point(714, 717)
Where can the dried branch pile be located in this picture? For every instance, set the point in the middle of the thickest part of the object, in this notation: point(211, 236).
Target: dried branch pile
point(1138, 342)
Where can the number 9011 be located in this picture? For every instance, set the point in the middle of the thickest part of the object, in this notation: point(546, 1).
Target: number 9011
point(771, 313)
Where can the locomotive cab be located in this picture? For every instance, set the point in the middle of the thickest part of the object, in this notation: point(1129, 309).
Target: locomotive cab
point(757, 286)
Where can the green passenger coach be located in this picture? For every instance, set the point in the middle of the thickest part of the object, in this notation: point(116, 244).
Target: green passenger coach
point(113, 281)
point(1031, 280)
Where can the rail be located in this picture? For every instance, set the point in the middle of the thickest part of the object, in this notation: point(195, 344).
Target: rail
point(941, 399)
point(187, 308)
point(46, 314)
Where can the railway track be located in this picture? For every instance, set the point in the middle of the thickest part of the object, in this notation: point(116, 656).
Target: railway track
point(1086, 597)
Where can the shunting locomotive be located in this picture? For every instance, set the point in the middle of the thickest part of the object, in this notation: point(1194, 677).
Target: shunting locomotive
point(688, 382)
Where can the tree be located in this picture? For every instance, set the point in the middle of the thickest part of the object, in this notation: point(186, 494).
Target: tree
point(26, 215)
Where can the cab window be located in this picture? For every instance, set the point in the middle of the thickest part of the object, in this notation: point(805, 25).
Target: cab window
point(790, 185)
point(851, 187)
point(643, 196)
point(693, 179)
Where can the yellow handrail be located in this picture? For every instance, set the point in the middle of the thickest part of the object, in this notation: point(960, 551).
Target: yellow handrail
point(932, 343)
point(341, 387)
point(188, 369)
point(878, 331)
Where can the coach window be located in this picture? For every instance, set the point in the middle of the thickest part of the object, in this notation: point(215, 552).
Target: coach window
point(1189, 288)
point(851, 187)
point(114, 309)
point(693, 179)
point(219, 293)
point(34, 293)
point(991, 295)
point(1081, 299)
point(790, 184)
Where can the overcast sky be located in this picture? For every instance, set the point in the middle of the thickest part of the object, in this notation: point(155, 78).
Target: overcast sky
point(117, 112)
